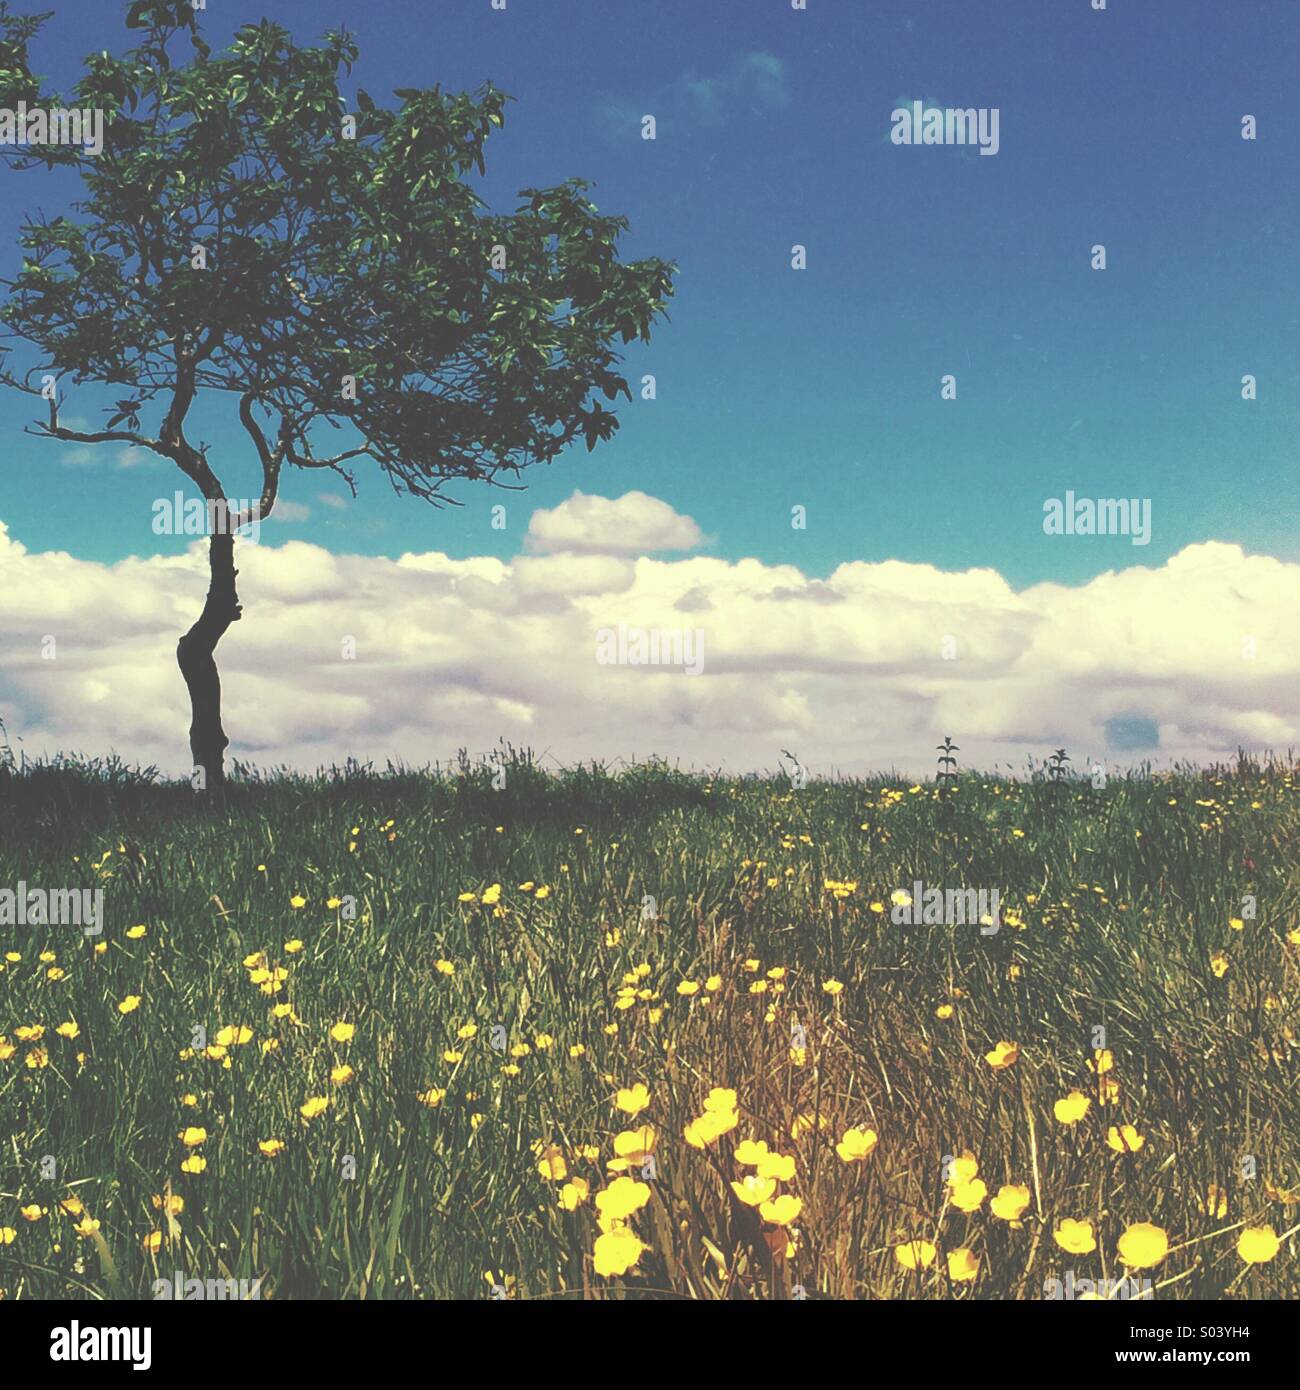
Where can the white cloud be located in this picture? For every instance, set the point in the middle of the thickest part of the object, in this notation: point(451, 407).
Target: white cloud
point(846, 671)
point(290, 512)
point(634, 524)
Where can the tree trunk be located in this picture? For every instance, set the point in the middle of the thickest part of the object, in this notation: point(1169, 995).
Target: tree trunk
point(195, 654)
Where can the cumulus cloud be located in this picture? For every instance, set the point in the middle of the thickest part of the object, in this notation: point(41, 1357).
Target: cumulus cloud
point(634, 524)
point(864, 669)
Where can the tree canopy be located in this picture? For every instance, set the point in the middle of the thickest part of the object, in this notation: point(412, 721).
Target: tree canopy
point(243, 231)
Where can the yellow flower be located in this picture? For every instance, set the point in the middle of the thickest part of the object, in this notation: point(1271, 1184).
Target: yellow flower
point(832, 987)
point(1143, 1245)
point(632, 1099)
point(343, 1032)
point(1258, 1244)
point(753, 1190)
point(67, 1030)
point(701, 1132)
point(444, 967)
point(86, 1227)
point(969, 1196)
point(1003, 1055)
point(293, 947)
point(1072, 1108)
point(433, 1097)
point(1218, 964)
point(31, 1213)
point(1075, 1237)
point(1124, 1139)
point(943, 1011)
point(621, 1198)
point(195, 1163)
point(72, 1205)
point(271, 1147)
point(317, 1105)
point(7, 1235)
point(856, 1144)
point(553, 1164)
point(962, 1266)
point(720, 1100)
point(128, 1005)
point(232, 1036)
point(617, 1251)
point(135, 933)
point(713, 984)
point(917, 1254)
point(776, 1166)
point(173, 1205)
point(341, 1074)
point(1010, 1203)
point(574, 1193)
point(634, 1144)
point(750, 1151)
point(297, 901)
point(492, 895)
point(192, 1135)
point(688, 987)
point(962, 1169)
point(782, 1210)
point(152, 1243)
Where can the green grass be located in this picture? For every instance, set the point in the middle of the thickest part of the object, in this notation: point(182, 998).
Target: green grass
point(1125, 893)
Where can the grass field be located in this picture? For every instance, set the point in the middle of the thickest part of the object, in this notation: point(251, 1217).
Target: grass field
point(550, 992)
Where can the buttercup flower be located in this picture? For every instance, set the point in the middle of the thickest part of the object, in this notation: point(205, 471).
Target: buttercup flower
point(856, 1144)
point(1075, 1237)
point(1003, 1055)
point(1124, 1139)
point(1072, 1108)
point(1010, 1203)
point(617, 1251)
point(1258, 1244)
point(1143, 1245)
point(963, 1266)
point(632, 1099)
point(917, 1254)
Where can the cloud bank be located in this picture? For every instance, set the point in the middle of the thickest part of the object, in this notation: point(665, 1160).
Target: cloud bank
point(869, 668)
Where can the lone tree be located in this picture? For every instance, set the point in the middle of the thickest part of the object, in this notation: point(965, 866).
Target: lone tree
point(242, 231)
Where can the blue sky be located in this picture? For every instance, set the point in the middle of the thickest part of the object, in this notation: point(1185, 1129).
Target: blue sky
point(821, 387)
